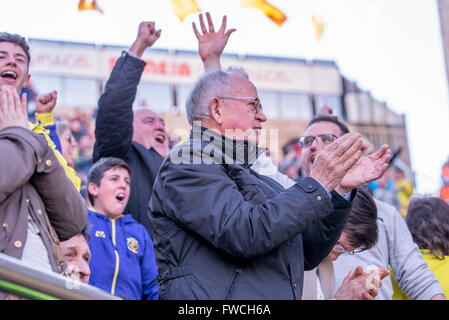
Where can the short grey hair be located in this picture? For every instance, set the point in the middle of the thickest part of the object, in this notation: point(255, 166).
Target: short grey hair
point(210, 85)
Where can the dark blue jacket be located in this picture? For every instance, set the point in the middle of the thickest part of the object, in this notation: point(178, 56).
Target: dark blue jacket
point(222, 231)
point(122, 260)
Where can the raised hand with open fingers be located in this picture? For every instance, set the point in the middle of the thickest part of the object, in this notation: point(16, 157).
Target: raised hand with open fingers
point(367, 169)
point(210, 43)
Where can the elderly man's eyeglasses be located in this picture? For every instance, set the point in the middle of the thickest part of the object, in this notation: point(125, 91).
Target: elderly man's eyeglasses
point(254, 100)
point(340, 249)
point(307, 141)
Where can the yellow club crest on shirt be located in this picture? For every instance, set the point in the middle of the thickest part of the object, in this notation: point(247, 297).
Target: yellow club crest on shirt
point(100, 234)
point(133, 245)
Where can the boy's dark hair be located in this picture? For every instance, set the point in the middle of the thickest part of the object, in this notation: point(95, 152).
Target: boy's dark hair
point(18, 40)
point(100, 167)
point(428, 221)
point(328, 118)
point(361, 227)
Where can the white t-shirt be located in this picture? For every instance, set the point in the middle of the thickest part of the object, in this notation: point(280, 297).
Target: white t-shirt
point(35, 253)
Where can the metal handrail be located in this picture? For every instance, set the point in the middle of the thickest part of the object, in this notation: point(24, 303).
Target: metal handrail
point(19, 279)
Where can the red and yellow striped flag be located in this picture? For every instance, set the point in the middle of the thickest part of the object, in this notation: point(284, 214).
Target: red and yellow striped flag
point(271, 12)
point(183, 8)
point(88, 5)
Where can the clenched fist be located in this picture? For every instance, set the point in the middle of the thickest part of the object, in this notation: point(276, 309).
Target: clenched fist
point(146, 37)
point(46, 102)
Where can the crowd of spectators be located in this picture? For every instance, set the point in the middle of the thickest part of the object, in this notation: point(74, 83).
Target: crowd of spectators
point(157, 224)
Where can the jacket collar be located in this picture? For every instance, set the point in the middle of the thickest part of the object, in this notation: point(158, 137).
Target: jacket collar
point(126, 218)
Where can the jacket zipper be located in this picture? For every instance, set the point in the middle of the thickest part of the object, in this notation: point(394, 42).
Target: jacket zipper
point(237, 272)
point(117, 260)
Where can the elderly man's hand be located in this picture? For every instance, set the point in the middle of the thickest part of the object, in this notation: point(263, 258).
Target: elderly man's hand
point(211, 44)
point(360, 286)
point(46, 102)
point(146, 37)
point(367, 169)
point(13, 110)
point(332, 164)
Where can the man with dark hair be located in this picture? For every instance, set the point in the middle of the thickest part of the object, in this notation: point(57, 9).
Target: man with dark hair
point(395, 246)
point(122, 261)
point(332, 119)
point(40, 206)
point(361, 226)
point(17, 40)
point(138, 136)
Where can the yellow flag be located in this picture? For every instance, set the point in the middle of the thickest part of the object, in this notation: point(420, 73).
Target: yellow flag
point(182, 8)
point(88, 5)
point(271, 12)
point(319, 23)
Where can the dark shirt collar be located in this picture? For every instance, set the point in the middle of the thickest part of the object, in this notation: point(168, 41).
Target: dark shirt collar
point(217, 147)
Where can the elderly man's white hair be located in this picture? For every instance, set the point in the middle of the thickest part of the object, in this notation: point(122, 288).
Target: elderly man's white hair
point(210, 85)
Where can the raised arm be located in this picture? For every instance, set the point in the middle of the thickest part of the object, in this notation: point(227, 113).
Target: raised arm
point(44, 112)
point(46, 102)
point(65, 207)
point(210, 43)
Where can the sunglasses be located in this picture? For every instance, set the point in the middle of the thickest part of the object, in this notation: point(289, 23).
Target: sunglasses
point(307, 141)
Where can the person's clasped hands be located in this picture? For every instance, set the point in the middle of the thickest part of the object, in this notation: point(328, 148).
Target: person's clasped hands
point(360, 285)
